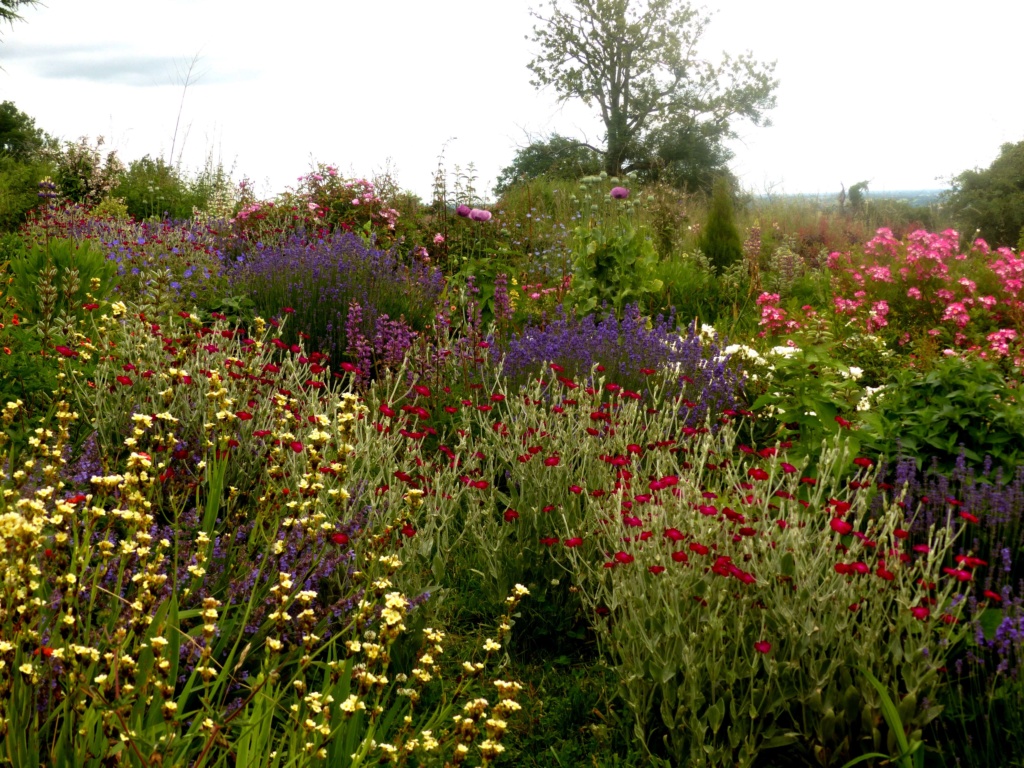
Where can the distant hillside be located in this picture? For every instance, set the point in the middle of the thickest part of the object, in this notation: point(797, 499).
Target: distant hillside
point(916, 197)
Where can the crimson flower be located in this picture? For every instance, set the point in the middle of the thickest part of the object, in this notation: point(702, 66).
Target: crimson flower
point(623, 557)
point(408, 531)
point(656, 569)
point(674, 534)
point(551, 461)
point(757, 473)
point(243, 415)
point(548, 541)
point(575, 489)
point(762, 646)
point(840, 526)
point(861, 461)
point(788, 468)
point(510, 515)
point(123, 380)
point(422, 390)
point(296, 446)
point(700, 549)
point(575, 541)
point(969, 517)
point(993, 596)
point(808, 481)
point(339, 538)
point(920, 612)
point(680, 556)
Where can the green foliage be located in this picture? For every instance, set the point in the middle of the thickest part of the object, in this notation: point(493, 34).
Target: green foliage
point(960, 404)
point(20, 139)
point(638, 63)
point(19, 190)
point(614, 260)
point(720, 239)
point(555, 157)
point(152, 187)
point(991, 201)
point(858, 195)
point(54, 280)
point(9, 9)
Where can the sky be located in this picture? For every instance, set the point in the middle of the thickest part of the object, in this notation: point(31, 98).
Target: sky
point(903, 94)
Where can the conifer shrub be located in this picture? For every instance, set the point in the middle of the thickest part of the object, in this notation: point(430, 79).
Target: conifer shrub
point(720, 239)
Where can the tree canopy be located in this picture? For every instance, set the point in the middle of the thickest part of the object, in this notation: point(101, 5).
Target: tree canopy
point(19, 136)
point(637, 62)
point(556, 157)
point(991, 201)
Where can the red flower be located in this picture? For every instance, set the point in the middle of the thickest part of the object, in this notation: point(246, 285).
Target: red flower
point(920, 612)
point(860, 461)
point(575, 489)
point(673, 534)
point(993, 596)
point(762, 646)
point(899, 533)
point(243, 415)
point(808, 481)
point(408, 531)
point(623, 557)
point(969, 517)
point(510, 515)
point(339, 538)
point(757, 473)
point(548, 541)
point(575, 541)
point(296, 446)
point(840, 526)
point(789, 469)
point(551, 461)
point(707, 509)
point(123, 381)
point(700, 549)
point(958, 574)
point(843, 422)
point(656, 569)
point(422, 390)
point(680, 556)
point(497, 397)
point(647, 371)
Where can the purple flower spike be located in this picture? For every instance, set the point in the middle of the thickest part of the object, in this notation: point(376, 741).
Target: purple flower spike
point(620, 193)
point(463, 211)
point(478, 214)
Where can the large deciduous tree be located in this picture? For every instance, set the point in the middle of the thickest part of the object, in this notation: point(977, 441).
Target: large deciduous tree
point(990, 202)
point(637, 61)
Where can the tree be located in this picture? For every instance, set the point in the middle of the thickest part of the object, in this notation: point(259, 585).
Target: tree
point(556, 157)
point(991, 202)
point(19, 137)
point(637, 61)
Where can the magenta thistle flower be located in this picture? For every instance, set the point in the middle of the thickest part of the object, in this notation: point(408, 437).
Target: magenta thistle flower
point(620, 193)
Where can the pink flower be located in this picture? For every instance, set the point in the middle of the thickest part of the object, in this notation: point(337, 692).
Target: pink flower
point(619, 193)
point(479, 214)
point(438, 238)
point(920, 612)
point(463, 211)
point(913, 293)
point(762, 646)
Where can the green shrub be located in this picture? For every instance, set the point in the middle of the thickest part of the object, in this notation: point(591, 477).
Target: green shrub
point(960, 404)
point(19, 190)
point(720, 239)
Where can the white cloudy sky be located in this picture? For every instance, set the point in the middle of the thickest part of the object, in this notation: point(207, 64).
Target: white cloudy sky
point(904, 93)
